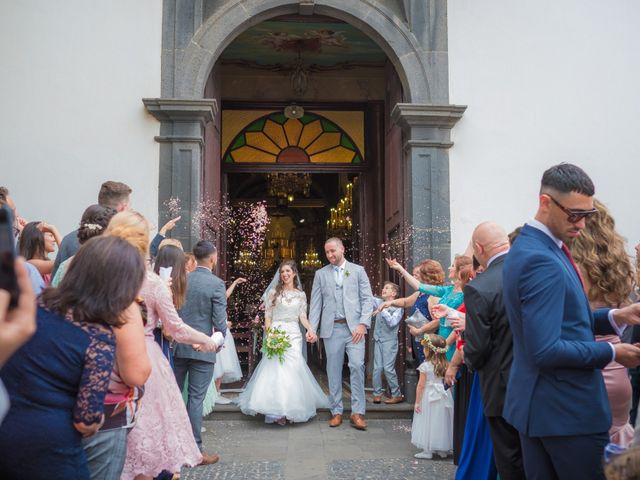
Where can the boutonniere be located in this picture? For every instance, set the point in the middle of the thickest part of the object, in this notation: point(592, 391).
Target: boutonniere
point(347, 273)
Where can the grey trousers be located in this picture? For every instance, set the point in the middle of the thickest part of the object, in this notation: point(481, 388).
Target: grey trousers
point(384, 359)
point(200, 377)
point(335, 347)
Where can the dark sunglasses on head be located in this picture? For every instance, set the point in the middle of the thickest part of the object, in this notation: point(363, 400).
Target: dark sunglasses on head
point(573, 216)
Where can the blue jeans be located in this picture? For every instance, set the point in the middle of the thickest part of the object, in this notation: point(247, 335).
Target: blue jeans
point(106, 452)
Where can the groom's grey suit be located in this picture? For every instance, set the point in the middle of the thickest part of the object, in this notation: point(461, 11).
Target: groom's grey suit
point(339, 309)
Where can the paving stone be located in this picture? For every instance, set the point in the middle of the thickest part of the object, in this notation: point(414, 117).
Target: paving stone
point(313, 451)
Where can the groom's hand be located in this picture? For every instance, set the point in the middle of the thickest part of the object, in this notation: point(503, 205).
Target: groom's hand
point(359, 333)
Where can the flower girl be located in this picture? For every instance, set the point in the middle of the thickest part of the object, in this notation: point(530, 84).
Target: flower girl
point(432, 428)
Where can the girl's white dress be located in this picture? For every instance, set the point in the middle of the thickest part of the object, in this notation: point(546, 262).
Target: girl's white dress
point(432, 429)
point(286, 389)
point(227, 364)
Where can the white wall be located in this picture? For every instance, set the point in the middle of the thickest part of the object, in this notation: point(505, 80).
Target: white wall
point(73, 74)
point(545, 82)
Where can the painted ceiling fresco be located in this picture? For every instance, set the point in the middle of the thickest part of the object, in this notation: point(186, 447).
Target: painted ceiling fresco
point(325, 44)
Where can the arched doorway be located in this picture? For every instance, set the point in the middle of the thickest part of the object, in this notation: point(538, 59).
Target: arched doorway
point(403, 174)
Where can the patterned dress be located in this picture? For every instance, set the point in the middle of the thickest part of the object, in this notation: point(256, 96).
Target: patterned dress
point(162, 438)
point(58, 378)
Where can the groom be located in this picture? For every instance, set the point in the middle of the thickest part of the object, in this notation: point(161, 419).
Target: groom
point(341, 297)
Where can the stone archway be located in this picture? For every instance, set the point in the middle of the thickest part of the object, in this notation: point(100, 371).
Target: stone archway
point(416, 64)
point(413, 34)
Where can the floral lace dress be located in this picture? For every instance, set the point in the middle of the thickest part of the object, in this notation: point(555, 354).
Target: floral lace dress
point(284, 389)
point(162, 438)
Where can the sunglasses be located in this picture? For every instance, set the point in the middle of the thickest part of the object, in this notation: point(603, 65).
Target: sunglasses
point(573, 216)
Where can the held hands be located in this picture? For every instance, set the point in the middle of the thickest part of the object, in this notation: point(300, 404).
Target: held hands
point(628, 355)
point(417, 407)
point(359, 333)
point(311, 337)
point(239, 280)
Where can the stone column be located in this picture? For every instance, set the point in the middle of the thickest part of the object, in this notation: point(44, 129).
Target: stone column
point(181, 148)
point(426, 140)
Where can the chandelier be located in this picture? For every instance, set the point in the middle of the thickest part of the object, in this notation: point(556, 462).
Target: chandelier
point(284, 186)
point(340, 219)
point(244, 260)
point(311, 261)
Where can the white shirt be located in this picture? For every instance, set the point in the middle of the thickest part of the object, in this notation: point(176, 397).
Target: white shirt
point(338, 272)
point(497, 255)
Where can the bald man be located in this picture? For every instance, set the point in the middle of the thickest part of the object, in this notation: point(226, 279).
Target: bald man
point(489, 345)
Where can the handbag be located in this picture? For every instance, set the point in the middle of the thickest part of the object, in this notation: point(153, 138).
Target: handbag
point(416, 320)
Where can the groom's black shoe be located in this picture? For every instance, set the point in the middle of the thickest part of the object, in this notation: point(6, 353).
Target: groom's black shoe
point(358, 422)
point(336, 420)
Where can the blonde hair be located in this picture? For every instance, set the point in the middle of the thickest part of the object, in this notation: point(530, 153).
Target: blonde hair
point(132, 227)
point(600, 253)
point(171, 241)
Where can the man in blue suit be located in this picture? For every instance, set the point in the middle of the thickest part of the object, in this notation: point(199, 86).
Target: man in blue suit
point(556, 397)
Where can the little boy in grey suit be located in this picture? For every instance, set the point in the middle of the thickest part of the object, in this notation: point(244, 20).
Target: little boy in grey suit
point(385, 341)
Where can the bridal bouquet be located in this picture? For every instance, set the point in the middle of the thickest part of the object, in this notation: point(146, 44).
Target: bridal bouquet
point(275, 343)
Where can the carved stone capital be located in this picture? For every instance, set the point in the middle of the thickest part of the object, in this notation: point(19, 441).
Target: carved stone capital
point(182, 110)
point(412, 115)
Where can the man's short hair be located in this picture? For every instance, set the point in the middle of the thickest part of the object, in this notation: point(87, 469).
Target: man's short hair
point(203, 249)
point(336, 240)
point(112, 194)
point(567, 178)
point(394, 287)
point(4, 193)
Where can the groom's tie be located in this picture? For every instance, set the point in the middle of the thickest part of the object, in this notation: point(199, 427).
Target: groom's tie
point(336, 275)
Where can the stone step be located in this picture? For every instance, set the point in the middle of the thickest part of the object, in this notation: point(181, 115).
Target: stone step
point(374, 411)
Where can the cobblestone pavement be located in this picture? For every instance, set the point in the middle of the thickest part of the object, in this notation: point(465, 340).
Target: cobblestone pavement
point(314, 451)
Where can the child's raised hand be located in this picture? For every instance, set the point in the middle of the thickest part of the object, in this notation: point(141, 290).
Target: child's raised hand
point(417, 408)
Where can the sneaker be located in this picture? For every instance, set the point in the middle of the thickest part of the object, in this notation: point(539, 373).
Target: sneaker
point(424, 455)
point(223, 400)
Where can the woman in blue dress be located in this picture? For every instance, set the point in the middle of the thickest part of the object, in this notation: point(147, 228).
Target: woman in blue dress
point(450, 295)
point(58, 380)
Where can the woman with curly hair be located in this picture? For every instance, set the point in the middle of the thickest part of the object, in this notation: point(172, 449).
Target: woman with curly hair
point(608, 277)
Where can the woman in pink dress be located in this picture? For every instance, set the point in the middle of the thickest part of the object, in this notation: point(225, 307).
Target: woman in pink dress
point(608, 278)
point(162, 438)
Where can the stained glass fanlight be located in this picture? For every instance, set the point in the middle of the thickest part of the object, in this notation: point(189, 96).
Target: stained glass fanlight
point(275, 138)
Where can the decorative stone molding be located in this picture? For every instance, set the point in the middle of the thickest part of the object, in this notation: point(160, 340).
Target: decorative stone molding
point(182, 110)
point(410, 115)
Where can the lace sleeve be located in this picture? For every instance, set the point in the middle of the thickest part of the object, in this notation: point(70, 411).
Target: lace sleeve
point(268, 306)
point(98, 363)
point(171, 321)
point(302, 311)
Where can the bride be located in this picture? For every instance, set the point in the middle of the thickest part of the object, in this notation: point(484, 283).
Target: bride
point(285, 390)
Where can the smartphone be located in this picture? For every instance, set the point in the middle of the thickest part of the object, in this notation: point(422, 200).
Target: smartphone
point(8, 280)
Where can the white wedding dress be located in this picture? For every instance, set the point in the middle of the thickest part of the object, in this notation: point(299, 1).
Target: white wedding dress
point(285, 389)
